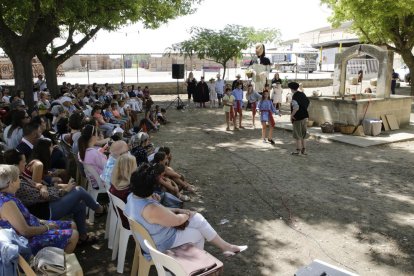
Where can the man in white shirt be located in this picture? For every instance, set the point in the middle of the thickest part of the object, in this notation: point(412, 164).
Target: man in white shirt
point(41, 83)
point(6, 96)
point(219, 88)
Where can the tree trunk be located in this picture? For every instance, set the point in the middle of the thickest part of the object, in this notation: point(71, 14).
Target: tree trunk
point(408, 58)
point(224, 70)
point(23, 75)
point(50, 66)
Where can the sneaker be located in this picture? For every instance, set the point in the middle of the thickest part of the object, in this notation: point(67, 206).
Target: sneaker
point(271, 141)
point(264, 140)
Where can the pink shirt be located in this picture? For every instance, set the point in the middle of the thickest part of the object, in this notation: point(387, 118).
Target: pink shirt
point(99, 118)
point(96, 159)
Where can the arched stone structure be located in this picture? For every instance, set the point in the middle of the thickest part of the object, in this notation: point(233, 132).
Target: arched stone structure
point(385, 61)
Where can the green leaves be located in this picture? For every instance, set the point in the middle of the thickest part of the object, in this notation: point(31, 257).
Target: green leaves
point(222, 45)
point(377, 21)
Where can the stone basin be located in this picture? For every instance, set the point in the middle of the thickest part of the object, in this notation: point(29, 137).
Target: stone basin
point(348, 111)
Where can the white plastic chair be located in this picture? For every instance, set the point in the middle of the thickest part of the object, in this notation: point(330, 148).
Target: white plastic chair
point(140, 266)
point(111, 219)
point(184, 260)
point(121, 234)
point(161, 260)
point(111, 224)
point(93, 177)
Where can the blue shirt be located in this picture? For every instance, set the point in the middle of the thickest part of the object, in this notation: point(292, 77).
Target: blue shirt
point(107, 171)
point(220, 87)
point(254, 97)
point(264, 106)
point(163, 237)
point(238, 96)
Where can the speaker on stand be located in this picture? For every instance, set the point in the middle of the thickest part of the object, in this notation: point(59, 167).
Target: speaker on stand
point(177, 73)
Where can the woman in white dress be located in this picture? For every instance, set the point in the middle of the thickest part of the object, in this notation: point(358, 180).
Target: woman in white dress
point(277, 95)
point(213, 94)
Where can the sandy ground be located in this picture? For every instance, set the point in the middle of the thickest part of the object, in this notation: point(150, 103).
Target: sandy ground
point(350, 207)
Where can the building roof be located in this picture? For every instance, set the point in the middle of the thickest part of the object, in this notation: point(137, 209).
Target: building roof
point(336, 43)
point(345, 25)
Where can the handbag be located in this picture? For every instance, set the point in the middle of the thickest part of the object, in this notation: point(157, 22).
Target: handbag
point(170, 201)
point(49, 261)
point(30, 195)
point(182, 226)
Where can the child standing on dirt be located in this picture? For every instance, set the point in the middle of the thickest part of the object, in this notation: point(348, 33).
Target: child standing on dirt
point(253, 97)
point(266, 109)
point(228, 101)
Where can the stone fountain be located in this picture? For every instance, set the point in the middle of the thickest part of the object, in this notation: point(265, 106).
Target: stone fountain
point(352, 109)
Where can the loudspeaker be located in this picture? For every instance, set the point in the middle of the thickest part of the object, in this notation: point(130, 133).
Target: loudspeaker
point(178, 71)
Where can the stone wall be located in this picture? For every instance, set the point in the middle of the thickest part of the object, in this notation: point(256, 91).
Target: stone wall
point(325, 109)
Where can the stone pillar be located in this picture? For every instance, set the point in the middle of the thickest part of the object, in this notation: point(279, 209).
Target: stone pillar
point(385, 60)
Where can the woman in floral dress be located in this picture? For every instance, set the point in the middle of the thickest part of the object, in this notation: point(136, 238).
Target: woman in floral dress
point(40, 233)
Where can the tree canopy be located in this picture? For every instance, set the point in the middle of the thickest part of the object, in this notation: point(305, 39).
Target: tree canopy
point(380, 22)
point(223, 45)
point(34, 25)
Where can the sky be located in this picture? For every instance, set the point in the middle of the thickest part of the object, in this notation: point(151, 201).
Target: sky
point(291, 17)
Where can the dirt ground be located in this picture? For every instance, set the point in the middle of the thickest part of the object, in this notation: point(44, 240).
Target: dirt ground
point(348, 206)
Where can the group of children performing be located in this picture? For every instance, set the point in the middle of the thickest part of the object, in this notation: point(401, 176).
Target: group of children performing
point(264, 103)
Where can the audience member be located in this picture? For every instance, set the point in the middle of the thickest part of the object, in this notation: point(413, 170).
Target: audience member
point(170, 228)
point(14, 214)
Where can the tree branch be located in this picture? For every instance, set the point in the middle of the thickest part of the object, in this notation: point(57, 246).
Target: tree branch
point(366, 35)
point(69, 41)
point(74, 47)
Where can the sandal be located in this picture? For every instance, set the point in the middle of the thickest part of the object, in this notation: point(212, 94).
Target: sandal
point(303, 151)
point(88, 241)
point(185, 198)
point(228, 254)
point(297, 152)
point(191, 189)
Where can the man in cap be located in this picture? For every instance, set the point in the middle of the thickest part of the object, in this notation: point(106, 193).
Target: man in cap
point(298, 117)
point(219, 86)
point(67, 102)
point(236, 82)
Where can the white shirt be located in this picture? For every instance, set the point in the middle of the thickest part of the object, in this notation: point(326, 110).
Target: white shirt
point(219, 87)
point(6, 99)
point(27, 143)
point(42, 84)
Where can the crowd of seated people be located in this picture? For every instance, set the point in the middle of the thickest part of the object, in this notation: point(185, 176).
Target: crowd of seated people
point(109, 130)
point(36, 140)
